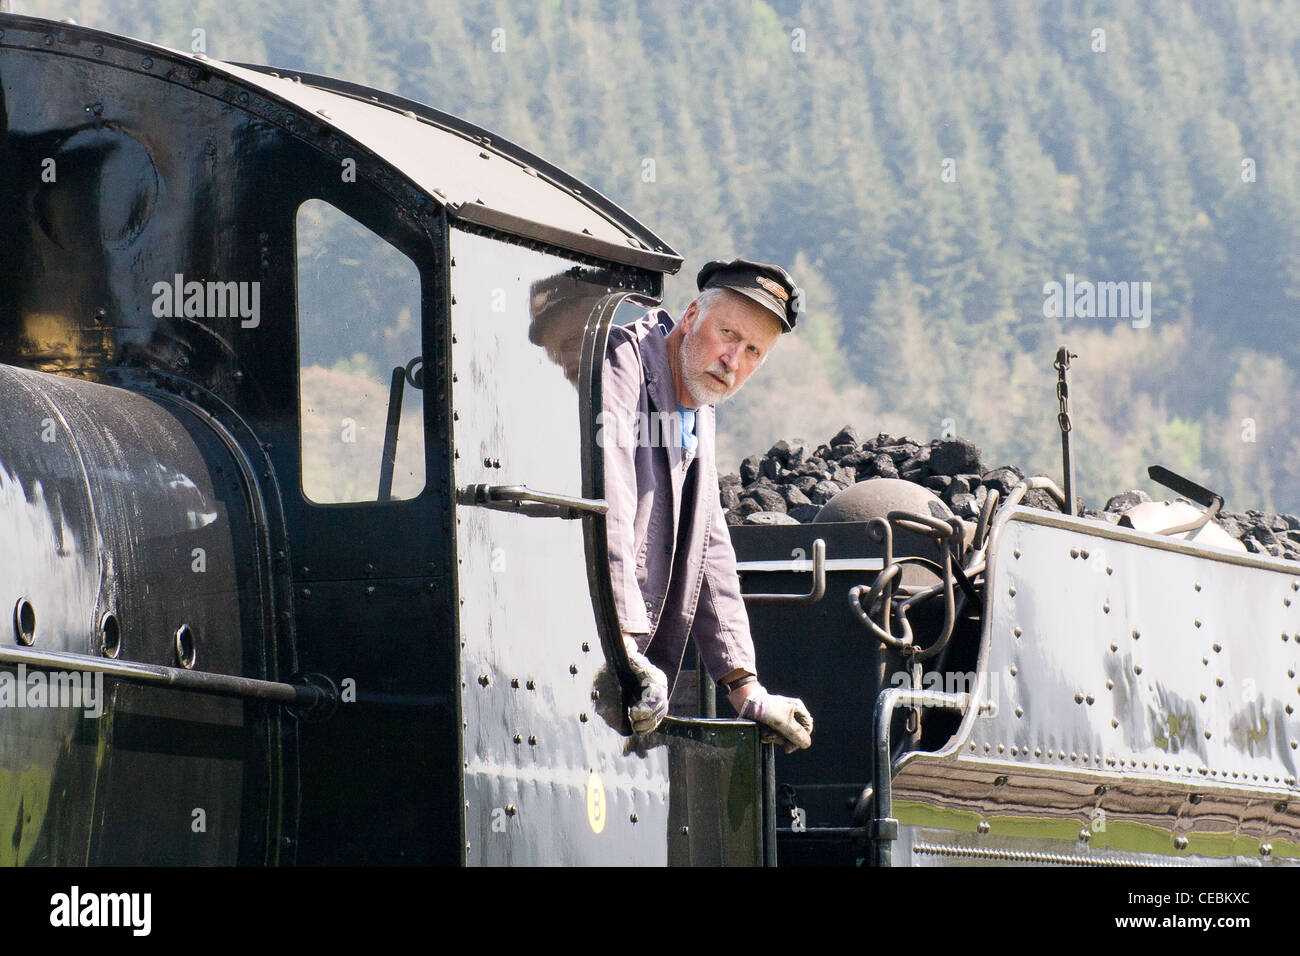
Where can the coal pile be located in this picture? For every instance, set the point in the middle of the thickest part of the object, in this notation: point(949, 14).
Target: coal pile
point(790, 483)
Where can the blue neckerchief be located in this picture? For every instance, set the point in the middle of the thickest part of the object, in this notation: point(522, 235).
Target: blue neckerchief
point(689, 441)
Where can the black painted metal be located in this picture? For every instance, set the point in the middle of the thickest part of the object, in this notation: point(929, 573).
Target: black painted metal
point(822, 654)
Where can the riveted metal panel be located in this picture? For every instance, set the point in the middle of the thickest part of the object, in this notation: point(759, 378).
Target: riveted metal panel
point(1137, 702)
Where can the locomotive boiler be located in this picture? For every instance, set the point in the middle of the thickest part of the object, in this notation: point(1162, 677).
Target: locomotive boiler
point(306, 560)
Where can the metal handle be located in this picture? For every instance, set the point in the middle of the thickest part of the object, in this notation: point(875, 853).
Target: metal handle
point(524, 500)
point(798, 600)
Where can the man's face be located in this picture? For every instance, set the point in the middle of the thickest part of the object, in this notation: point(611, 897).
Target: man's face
point(722, 347)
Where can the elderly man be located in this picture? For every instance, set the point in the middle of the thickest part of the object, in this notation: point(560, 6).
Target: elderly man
point(671, 562)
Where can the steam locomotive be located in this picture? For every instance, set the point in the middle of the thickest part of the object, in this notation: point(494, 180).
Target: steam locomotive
point(306, 550)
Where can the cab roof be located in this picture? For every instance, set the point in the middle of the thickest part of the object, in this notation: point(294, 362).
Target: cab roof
point(478, 177)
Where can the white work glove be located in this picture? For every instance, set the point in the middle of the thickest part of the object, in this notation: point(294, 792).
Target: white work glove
point(785, 719)
point(647, 711)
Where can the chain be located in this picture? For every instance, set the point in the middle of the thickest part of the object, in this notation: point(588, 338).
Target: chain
point(1062, 389)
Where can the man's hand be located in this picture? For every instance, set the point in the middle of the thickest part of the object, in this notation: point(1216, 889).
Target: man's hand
point(648, 710)
point(786, 720)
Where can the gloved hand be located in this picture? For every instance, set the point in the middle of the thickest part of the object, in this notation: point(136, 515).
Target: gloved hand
point(648, 710)
point(785, 719)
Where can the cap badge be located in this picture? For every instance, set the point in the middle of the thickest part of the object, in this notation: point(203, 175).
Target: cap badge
point(772, 287)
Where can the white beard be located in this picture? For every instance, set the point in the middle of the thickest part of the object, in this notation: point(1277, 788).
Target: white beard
point(703, 387)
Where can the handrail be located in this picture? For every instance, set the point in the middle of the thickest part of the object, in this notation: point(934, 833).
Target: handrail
point(798, 600)
point(315, 691)
point(525, 500)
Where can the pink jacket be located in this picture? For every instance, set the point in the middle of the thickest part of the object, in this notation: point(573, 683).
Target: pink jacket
point(670, 557)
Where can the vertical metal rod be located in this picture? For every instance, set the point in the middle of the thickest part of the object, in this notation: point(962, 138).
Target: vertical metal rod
point(769, 804)
point(1062, 365)
point(706, 693)
point(389, 460)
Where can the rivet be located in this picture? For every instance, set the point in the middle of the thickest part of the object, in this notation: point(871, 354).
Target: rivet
point(1001, 748)
point(583, 718)
point(1217, 647)
point(518, 739)
point(510, 810)
point(531, 685)
point(1105, 609)
point(1218, 682)
point(1137, 668)
point(1078, 698)
point(1085, 835)
point(1083, 553)
point(1015, 553)
point(685, 830)
point(586, 648)
point(1099, 790)
point(1266, 849)
point(1015, 750)
point(1074, 756)
point(1114, 648)
point(1060, 755)
point(1290, 709)
point(1197, 622)
point(514, 682)
point(1205, 661)
point(1074, 552)
point(484, 679)
point(1038, 751)
point(1294, 745)
point(988, 747)
point(1020, 712)
point(1197, 586)
point(1109, 569)
point(1000, 781)
point(532, 740)
point(1114, 723)
point(1012, 669)
point(1202, 698)
point(1207, 735)
point(1295, 585)
point(1136, 635)
point(595, 695)
point(1011, 591)
point(632, 816)
point(573, 668)
point(1180, 842)
point(1290, 672)
point(1017, 632)
point(1090, 699)
point(983, 826)
point(1110, 684)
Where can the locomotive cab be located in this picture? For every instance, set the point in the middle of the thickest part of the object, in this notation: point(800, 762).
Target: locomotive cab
point(322, 506)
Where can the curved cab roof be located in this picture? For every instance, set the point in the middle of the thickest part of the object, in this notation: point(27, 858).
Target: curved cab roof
point(476, 176)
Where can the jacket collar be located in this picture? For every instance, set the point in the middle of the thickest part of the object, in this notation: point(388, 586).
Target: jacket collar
point(654, 346)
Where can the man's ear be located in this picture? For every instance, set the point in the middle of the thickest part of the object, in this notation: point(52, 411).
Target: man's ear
point(689, 317)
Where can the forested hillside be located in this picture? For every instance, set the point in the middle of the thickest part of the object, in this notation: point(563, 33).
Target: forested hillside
point(925, 170)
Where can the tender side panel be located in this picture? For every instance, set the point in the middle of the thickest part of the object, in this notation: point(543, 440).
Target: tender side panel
point(1137, 703)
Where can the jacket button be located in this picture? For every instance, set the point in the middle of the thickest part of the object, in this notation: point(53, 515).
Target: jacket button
point(649, 606)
